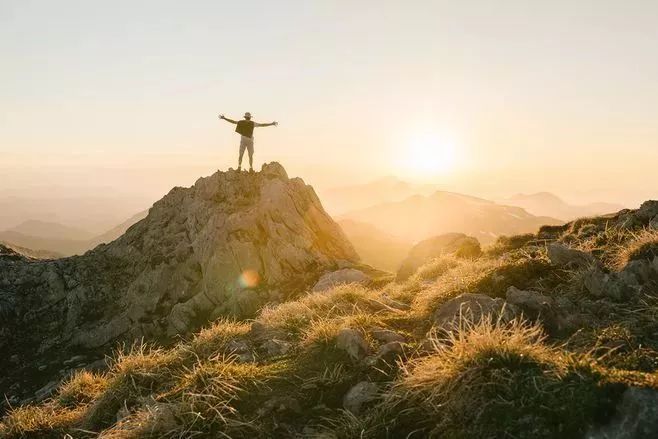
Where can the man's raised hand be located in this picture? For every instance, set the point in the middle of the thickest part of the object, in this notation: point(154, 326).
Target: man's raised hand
point(275, 123)
point(221, 116)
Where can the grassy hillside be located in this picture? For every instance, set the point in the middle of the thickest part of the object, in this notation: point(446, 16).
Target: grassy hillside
point(564, 335)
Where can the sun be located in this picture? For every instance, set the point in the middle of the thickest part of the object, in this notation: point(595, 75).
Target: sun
point(428, 155)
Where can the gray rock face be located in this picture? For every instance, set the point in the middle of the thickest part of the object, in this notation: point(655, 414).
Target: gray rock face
point(359, 395)
point(473, 308)
point(428, 249)
point(217, 248)
point(633, 279)
point(341, 277)
point(636, 417)
point(560, 254)
point(529, 301)
point(352, 342)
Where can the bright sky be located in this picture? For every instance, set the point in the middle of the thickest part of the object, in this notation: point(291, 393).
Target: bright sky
point(487, 97)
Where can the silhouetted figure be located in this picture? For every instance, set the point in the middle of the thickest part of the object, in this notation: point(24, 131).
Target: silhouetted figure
point(245, 128)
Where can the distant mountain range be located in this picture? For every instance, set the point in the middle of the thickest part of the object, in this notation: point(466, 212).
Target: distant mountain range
point(547, 204)
point(388, 189)
point(42, 239)
point(419, 217)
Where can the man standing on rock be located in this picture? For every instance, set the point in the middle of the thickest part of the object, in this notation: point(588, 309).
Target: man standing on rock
point(245, 128)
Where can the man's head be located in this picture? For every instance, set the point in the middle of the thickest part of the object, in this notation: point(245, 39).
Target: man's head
point(247, 115)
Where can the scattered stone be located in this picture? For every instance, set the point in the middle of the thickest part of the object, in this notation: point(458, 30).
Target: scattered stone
point(75, 359)
point(636, 272)
point(280, 404)
point(528, 300)
point(390, 349)
point(595, 281)
point(46, 390)
point(42, 367)
point(352, 342)
point(99, 365)
point(387, 336)
point(275, 348)
point(241, 350)
point(15, 359)
point(359, 396)
point(636, 417)
point(341, 277)
point(560, 254)
point(473, 308)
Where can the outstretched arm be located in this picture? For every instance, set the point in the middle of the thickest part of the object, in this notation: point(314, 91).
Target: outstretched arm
point(271, 124)
point(221, 116)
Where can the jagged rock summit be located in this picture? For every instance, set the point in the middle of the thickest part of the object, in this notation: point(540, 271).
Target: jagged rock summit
point(225, 246)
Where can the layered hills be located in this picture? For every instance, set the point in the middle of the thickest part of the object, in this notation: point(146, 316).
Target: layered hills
point(422, 216)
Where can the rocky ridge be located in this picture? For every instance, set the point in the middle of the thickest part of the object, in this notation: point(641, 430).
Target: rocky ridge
point(225, 246)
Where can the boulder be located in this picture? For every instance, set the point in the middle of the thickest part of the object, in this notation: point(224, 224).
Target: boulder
point(560, 254)
point(275, 348)
point(636, 417)
point(359, 396)
point(340, 277)
point(387, 336)
point(537, 306)
point(617, 286)
point(352, 342)
point(529, 301)
point(647, 211)
point(458, 244)
point(390, 349)
point(473, 308)
point(595, 281)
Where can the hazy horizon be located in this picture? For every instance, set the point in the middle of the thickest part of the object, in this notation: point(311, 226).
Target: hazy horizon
point(121, 100)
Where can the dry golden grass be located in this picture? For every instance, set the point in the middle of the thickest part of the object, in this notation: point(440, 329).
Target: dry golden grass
point(452, 283)
point(291, 319)
point(492, 380)
point(641, 244)
point(43, 421)
point(436, 267)
point(82, 388)
point(214, 340)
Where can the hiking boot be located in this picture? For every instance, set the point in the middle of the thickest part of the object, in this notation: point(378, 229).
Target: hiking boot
point(239, 168)
point(251, 169)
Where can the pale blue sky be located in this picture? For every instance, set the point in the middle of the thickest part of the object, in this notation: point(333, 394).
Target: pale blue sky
point(545, 94)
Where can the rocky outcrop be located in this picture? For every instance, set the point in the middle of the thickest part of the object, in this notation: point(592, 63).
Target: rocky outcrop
point(560, 254)
point(341, 277)
point(224, 246)
point(451, 243)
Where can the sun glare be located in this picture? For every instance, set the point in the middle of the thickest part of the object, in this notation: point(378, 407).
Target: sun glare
point(428, 155)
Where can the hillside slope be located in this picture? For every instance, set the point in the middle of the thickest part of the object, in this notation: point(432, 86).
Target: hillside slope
point(419, 217)
point(544, 335)
point(375, 247)
point(225, 246)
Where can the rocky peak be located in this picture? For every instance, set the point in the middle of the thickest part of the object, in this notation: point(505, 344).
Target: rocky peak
point(225, 246)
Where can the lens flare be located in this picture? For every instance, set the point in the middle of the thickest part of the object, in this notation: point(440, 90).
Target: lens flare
point(249, 279)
